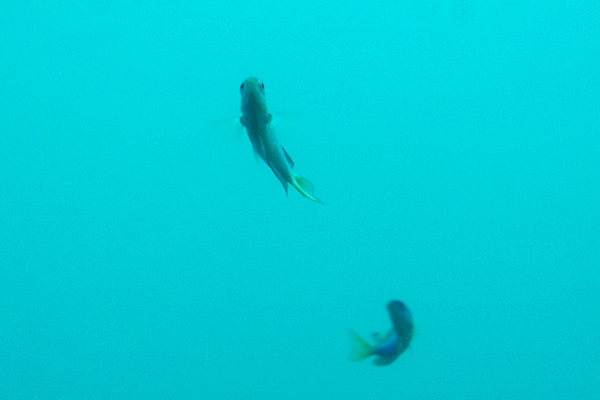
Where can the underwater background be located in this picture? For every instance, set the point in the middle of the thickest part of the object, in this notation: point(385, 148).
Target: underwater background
point(146, 254)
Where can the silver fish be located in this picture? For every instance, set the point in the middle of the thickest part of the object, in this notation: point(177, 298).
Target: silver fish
point(257, 121)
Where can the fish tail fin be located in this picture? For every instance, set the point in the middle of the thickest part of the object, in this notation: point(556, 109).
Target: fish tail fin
point(305, 187)
point(361, 349)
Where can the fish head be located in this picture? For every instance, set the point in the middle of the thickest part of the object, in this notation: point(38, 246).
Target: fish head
point(399, 313)
point(252, 88)
point(255, 113)
point(402, 322)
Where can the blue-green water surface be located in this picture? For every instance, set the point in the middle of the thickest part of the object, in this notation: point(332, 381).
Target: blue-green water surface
point(146, 254)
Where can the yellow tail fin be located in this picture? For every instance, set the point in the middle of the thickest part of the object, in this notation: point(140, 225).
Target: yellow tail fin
point(361, 349)
point(305, 187)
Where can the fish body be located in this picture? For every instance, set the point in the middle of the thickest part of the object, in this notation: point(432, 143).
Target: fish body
point(258, 123)
point(390, 346)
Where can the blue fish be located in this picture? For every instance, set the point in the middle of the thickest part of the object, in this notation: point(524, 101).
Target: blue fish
point(389, 347)
point(258, 123)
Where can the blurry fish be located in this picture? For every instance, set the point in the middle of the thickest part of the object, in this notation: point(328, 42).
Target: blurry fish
point(389, 347)
point(257, 121)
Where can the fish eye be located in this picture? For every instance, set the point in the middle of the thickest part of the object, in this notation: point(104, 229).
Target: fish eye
point(242, 86)
point(262, 85)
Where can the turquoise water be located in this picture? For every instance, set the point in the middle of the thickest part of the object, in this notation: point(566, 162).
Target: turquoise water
point(146, 254)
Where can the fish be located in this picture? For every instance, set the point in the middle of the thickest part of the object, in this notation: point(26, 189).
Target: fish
point(258, 123)
point(389, 347)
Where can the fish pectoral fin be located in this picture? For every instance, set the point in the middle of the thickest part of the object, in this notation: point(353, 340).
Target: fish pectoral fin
point(361, 349)
point(280, 177)
point(288, 158)
point(305, 187)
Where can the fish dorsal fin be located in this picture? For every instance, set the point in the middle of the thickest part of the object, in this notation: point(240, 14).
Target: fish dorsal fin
point(287, 156)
